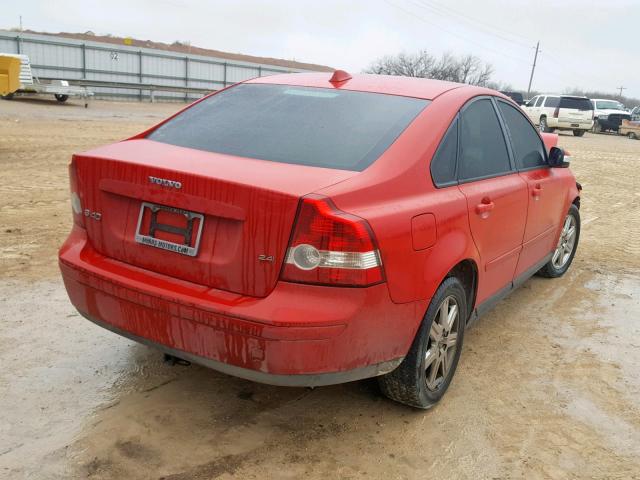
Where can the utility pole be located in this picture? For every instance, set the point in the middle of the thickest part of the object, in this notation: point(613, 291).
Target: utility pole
point(533, 68)
point(20, 22)
point(621, 88)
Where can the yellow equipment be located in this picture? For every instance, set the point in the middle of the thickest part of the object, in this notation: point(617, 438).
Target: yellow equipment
point(9, 74)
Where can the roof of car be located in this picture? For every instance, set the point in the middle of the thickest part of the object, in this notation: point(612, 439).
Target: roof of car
point(389, 84)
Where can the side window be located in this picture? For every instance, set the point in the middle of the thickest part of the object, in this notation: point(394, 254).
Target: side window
point(532, 102)
point(443, 165)
point(552, 102)
point(528, 148)
point(539, 101)
point(483, 150)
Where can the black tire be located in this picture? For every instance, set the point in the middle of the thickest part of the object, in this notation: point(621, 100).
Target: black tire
point(8, 96)
point(408, 383)
point(61, 98)
point(631, 135)
point(552, 269)
point(544, 126)
point(578, 133)
point(597, 128)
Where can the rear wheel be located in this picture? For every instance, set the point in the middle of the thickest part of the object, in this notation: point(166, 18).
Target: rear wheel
point(61, 98)
point(544, 126)
point(566, 248)
point(632, 135)
point(578, 133)
point(426, 372)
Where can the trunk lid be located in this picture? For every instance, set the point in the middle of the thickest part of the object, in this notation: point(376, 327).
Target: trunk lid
point(231, 217)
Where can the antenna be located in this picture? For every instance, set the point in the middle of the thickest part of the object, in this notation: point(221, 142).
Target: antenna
point(340, 76)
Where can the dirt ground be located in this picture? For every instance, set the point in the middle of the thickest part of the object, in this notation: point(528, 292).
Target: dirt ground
point(548, 384)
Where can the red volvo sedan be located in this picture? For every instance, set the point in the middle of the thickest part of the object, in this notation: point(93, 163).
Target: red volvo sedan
point(311, 229)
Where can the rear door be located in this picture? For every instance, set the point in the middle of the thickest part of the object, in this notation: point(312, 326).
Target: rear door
point(545, 187)
point(496, 195)
point(549, 106)
point(529, 109)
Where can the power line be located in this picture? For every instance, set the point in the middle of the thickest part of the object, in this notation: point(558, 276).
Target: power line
point(455, 34)
point(484, 27)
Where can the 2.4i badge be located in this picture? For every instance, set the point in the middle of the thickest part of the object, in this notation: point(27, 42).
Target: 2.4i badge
point(94, 215)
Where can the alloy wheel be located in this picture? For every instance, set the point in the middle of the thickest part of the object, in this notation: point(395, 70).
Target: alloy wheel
point(442, 343)
point(565, 244)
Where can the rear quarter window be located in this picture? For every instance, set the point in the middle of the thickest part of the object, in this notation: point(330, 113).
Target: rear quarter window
point(320, 127)
point(443, 165)
point(552, 102)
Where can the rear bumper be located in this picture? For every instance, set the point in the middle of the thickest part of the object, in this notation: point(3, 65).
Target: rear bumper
point(563, 124)
point(299, 380)
point(299, 335)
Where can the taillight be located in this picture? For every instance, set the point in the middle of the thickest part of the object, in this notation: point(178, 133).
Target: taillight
point(556, 112)
point(76, 203)
point(331, 247)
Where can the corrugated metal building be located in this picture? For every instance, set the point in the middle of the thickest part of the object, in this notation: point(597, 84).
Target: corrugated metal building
point(99, 63)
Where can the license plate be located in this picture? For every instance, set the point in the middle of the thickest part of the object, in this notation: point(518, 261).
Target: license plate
point(575, 124)
point(184, 228)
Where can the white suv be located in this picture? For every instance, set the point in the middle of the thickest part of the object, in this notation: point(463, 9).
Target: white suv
point(608, 115)
point(560, 112)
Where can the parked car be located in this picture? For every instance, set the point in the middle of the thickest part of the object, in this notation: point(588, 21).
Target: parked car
point(515, 96)
point(561, 112)
point(313, 229)
point(630, 128)
point(608, 115)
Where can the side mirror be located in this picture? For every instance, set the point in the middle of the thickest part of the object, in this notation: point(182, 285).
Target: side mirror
point(558, 158)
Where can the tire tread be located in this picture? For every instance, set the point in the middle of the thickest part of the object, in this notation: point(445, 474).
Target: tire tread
point(404, 383)
point(549, 271)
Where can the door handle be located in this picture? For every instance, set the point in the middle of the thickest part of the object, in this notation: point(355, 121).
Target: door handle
point(485, 207)
point(537, 191)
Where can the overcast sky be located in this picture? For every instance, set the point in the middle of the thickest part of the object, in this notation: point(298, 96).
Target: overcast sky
point(586, 44)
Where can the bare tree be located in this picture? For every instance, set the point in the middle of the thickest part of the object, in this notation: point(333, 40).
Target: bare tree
point(406, 65)
point(466, 69)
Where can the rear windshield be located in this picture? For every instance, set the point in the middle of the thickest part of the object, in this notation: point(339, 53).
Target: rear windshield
point(319, 127)
point(576, 103)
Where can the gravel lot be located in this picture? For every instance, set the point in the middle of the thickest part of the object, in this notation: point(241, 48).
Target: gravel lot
point(548, 384)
